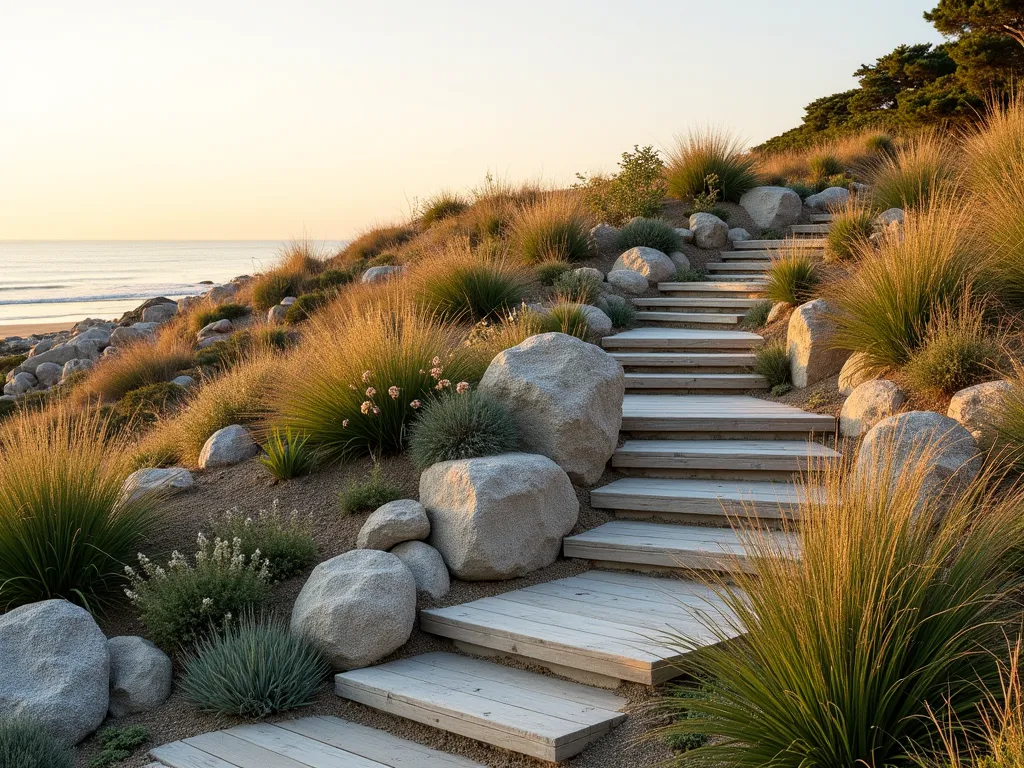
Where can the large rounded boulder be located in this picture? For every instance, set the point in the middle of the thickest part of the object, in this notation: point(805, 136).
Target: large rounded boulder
point(869, 403)
point(649, 262)
point(54, 669)
point(809, 341)
point(498, 517)
point(357, 607)
point(140, 674)
point(709, 231)
point(567, 398)
point(772, 207)
point(227, 446)
point(979, 409)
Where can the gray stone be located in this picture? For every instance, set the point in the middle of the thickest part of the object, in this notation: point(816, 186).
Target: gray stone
point(147, 329)
point(597, 321)
point(680, 260)
point(184, 381)
point(571, 418)
point(855, 371)
point(377, 274)
point(140, 674)
point(357, 607)
point(772, 207)
point(778, 310)
point(74, 366)
point(604, 237)
point(395, 522)
point(159, 313)
point(60, 354)
point(277, 314)
point(979, 408)
point(98, 336)
point(709, 231)
point(124, 335)
point(892, 217)
point(216, 328)
point(48, 374)
point(287, 301)
point(212, 339)
point(812, 357)
point(685, 234)
point(42, 346)
point(222, 293)
point(427, 567)
point(20, 384)
point(901, 441)
point(156, 480)
point(649, 262)
point(738, 235)
point(55, 670)
point(870, 402)
point(498, 517)
point(227, 446)
point(831, 198)
point(629, 281)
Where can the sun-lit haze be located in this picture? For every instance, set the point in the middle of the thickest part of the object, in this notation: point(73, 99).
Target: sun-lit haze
point(220, 119)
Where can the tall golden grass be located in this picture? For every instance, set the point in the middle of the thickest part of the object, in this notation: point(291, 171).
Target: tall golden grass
point(921, 169)
point(137, 365)
point(462, 283)
point(858, 152)
point(556, 228)
point(707, 152)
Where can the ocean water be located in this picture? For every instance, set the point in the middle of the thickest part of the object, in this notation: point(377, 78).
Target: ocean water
point(65, 281)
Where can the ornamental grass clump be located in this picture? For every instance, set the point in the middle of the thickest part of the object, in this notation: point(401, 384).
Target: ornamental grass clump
point(757, 315)
point(772, 362)
point(897, 609)
point(26, 744)
point(287, 454)
point(470, 285)
point(65, 531)
point(1009, 422)
point(181, 603)
point(462, 426)
point(362, 375)
point(649, 233)
point(793, 277)
point(253, 668)
point(705, 153)
point(284, 541)
point(824, 165)
point(137, 365)
point(443, 205)
point(921, 170)
point(578, 287)
point(884, 306)
point(852, 226)
point(557, 228)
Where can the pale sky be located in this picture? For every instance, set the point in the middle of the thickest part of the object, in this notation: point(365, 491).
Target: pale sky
point(265, 119)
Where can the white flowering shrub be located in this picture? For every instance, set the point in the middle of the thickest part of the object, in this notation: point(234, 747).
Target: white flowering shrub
point(185, 601)
point(284, 540)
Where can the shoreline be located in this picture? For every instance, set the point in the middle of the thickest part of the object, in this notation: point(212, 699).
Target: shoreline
point(35, 328)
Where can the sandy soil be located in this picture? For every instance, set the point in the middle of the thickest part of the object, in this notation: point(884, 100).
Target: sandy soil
point(28, 329)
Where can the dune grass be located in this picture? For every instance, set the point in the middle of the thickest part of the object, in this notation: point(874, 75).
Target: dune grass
point(884, 306)
point(460, 283)
point(556, 228)
point(852, 225)
point(138, 365)
point(856, 152)
point(64, 530)
point(896, 610)
point(444, 205)
point(300, 262)
point(706, 152)
point(757, 315)
point(823, 165)
point(793, 278)
point(920, 169)
point(372, 244)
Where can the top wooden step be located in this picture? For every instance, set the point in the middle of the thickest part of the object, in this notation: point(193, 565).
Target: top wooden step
point(526, 712)
point(682, 339)
point(757, 245)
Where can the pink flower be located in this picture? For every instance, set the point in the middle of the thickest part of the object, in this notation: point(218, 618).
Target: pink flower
point(443, 384)
point(370, 391)
point(367, 375)
point(436, 372)
point(344, 424)
point(394, 392)
point(422, 372)
point(462, 387)
point(436, 361)
point(376, 411)
point(366, 407)
point(415, 404)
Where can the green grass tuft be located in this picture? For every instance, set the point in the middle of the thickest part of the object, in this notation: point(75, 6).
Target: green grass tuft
point(26, 744)
point(118, 744)
point(849, 233)
point(824, 165)
point(649, 233)
point(709, 153)
point(757, 315)
point(288, 454)
point(369, 494)
point(461, 284)
point(916, 172)
point(443, 205)
point(462, 426)
point(772, 362)
point(793, 278)
point(232, 312)
point(549, 271)
point(555, 229)
point(691, 275)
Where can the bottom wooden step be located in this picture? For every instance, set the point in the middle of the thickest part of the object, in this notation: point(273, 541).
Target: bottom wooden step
point(522, 711)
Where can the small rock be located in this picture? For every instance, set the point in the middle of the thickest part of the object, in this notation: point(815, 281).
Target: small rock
point(889, 218)
point(140, 675)
point(772, 207)
point(97, 336)
point(228, 446)
point(217, 327)
point(22, 383)
point(124, 335)
point(163, 481)
point(679, 259)
point(287, 301)
point(831, 198)
point(685, 234)
point(147, 329)
point(427, 567)
point(709, 231)
point(978, 409)
point(778, 311)
point(812, 356)
point(377, 274)
point(855, 371)
point(74, 366)
point(649, 262)
point(604, 237)
point(43, 346)
point(395, 522)
point(184, 381)
point(629, 281)
point(277, 314)
point(357, 607)
point(870, 402)
point(222, 293)
point(738, 235)
point(209, 341)
point(159, 313)
point(49, 374)
point(597, 321)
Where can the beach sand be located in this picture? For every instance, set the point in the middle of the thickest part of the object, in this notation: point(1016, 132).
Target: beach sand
point(27, 329)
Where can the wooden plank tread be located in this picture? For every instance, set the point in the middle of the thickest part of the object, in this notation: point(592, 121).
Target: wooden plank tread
point(711, 286)
point(758, 245)
point(682, 339)
point(695, 381)
point(740, 266)
point(706, 497)
point(811, 229)
point(708, 318)
point(686, 359)
point(767, 455)
point(697, 302)
point(727, 413)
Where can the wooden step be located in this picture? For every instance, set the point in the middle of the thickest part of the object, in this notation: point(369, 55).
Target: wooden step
point(599, 625)
point(740, 266)
point(690, 547)
point(702, 318)
point(724, 455)
point(682, 340)
point(757, 245)
point(821, 218)
point(716, 414)
point(747, 255)
point(756, 278)
point(321, 742)
point(810, 229)
point(695, 381)
point(726, 305)
point(525, 712)
point(735, 288)
point(711, 362)
point(701, 497)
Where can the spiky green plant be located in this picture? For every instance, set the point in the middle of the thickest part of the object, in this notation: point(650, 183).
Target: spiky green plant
point(649, 233)
point(793, 277)
point(851, 227)
point(203, 317)
point(287, 454)
point(269, 289)
point(462, 426)
point(253, 668)
point(709, 152)
point(621, 313)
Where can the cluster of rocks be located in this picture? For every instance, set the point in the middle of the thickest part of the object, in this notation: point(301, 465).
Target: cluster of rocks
point(277, 314)
point(61, 672)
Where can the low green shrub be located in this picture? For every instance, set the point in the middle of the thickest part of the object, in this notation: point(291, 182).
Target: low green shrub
point(304, 306)
point(801, 189)
point(621, 313)
point(10, 362)
point(578, 287)
point(153, 401)
point(369, 494)
point(757, 315)
point(793, 278)
point(232, 312)
point(462, 426)
point(684, 704)
point(117, 744)
point(253, 668)
point(549, 271)
point(771, 234)
point(636, 190)
point(179, 604)
point(772, 362)
point(64, 530)
point(958, 351)
point(284, 541)
point(288, 454)
point(691, 275)
point(649, 233)
point(233, 350)
point(824, 165)
point(441, 206)
point(26, 744)
point(707, 200)
point(555, 229)
point(269, 289)
point(707, 153)
point(781, 389)
point(331, 279)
